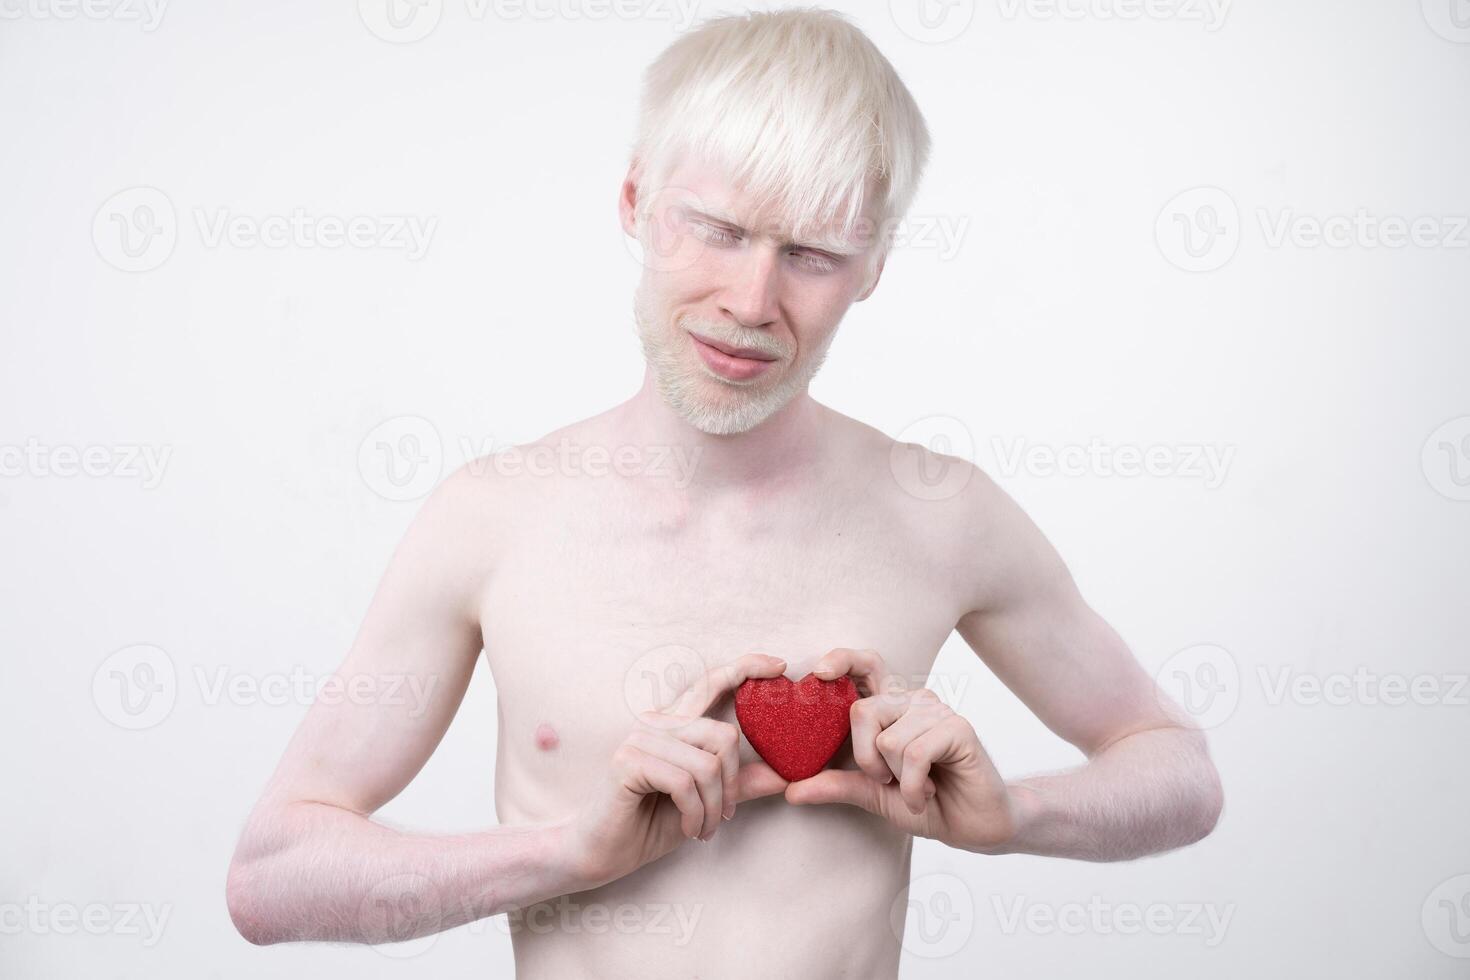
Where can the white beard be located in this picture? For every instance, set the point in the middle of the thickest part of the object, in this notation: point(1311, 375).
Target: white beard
point(730, 408)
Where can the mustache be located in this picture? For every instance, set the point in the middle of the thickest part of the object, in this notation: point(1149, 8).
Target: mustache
point(730, 336)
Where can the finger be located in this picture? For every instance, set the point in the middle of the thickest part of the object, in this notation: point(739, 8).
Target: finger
point(719, 681)
point(865, 667)
point(701, 765)
point(920, 755)
point(646, 774)
point(869, 717)
point(855, 789)
point(922, 713)
point(719, 738)
point(756, 779)
point(836, 786)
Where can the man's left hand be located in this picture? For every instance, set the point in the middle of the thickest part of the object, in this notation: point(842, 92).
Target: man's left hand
point(921, 766)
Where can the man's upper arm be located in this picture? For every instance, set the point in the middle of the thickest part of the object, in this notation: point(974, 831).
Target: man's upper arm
point(408, 667)
point(1029, 623)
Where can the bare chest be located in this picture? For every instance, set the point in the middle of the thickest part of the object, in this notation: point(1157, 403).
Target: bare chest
point(597, 613)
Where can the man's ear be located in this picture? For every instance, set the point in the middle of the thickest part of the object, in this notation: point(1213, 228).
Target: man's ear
point(877, 274)
point(628, 199)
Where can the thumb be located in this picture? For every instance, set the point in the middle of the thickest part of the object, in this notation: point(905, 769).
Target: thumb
point(756, 779)
point(850, 786)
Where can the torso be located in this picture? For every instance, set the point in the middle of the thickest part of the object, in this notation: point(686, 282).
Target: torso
point(607, 592)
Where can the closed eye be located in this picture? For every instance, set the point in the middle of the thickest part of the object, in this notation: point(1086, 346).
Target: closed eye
point(716, 235)
point(818, 261)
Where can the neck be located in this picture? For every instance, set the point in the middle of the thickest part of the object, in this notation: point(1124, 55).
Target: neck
point(778, 451)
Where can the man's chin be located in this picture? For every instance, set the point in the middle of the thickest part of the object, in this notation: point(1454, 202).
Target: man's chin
point(718, 407)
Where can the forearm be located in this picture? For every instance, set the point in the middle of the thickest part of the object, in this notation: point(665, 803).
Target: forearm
point(1148, 792)
point(310, 871)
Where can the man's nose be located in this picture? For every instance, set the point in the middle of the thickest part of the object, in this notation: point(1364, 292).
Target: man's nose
point(751, 298)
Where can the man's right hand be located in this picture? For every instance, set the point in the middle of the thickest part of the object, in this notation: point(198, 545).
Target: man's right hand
point(674, 778)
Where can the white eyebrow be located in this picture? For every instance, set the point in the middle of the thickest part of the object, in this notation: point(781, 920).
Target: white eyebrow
point(834, 245)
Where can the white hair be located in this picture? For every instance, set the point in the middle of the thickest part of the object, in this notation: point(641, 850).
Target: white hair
point(798, 107)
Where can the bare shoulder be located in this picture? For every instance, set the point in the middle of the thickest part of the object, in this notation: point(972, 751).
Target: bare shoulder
point(956, 513)
point(489, 497)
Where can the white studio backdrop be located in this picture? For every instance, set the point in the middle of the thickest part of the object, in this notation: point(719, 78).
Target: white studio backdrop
point(1189, 278)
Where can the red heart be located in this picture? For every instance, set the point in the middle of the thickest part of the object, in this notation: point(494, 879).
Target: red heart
point(797, 728)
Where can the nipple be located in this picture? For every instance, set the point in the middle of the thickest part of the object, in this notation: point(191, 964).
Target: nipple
point(546, 737)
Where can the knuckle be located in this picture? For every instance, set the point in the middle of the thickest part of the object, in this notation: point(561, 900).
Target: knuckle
point(625, 755)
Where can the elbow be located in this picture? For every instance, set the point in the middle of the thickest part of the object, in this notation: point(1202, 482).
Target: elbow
point(1209, 800)
point(247, 910)
point(244, 907)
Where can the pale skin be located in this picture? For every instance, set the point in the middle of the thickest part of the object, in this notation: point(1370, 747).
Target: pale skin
point(618, 612)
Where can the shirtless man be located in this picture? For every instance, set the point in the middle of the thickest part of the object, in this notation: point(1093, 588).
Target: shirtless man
point(619, 605)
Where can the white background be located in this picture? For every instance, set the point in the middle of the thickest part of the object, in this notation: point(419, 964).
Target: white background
point(1334, 541)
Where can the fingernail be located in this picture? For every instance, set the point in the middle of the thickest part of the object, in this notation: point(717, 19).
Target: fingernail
point(729, 811)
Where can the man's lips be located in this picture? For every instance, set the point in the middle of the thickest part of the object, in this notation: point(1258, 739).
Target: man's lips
point(748, 353)
point(730, 365)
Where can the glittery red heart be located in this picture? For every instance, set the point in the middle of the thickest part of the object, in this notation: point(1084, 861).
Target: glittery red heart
point(796, 727)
